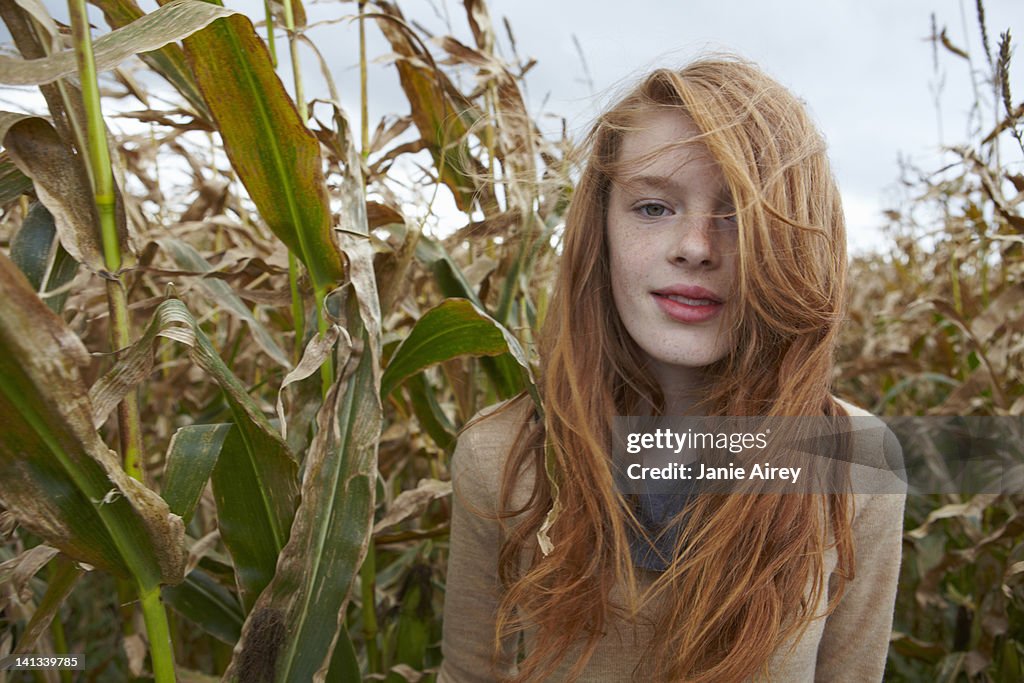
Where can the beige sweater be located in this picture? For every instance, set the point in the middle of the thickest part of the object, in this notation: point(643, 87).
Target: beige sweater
point(849, 645)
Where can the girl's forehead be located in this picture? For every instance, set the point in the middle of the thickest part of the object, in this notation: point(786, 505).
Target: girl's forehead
point(663, 137)
point(664, 147)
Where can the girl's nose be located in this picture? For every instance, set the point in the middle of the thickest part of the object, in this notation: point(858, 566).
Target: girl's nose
point(694, 243)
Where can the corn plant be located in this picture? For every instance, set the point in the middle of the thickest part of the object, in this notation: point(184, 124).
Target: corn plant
point(935, 329)
point(230, 401)
point(171, 439)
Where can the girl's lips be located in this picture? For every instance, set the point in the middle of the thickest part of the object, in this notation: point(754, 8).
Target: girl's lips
point(689, 292)
point(686, 309)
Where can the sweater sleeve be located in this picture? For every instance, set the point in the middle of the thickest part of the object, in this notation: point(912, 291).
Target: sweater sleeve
point(473, 591)
point(855, 640)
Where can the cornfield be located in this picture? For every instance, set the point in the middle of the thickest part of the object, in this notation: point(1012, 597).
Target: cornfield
point(235, 356)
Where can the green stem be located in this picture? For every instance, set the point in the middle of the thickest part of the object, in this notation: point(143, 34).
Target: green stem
point(60, 645)
point(159, 633)
point(298, 309)
point(368, 572)
point(99, 153)
point(368, 581)
point(364, 108)
point(129, 420)
point(327, 369)
point(129, 424)
point(293, 46)
point(270, 33)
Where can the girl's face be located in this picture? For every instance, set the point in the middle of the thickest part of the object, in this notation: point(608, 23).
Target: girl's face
point(672, 241)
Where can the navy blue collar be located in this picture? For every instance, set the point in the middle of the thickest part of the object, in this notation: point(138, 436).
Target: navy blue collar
point(654, 547)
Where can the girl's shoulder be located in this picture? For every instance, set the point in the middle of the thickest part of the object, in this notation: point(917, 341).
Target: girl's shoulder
point(494, 429)
point(484, 445)
point(874, 444)
point(877, 472)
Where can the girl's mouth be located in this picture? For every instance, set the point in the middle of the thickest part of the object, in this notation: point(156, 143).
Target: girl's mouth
point(688, 309)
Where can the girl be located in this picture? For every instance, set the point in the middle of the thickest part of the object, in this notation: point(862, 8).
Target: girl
point(703, 273)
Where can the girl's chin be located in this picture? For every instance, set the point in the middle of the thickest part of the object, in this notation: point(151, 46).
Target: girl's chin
point(672, 360)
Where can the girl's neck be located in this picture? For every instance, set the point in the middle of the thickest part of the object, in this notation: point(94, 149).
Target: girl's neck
point(683, 388)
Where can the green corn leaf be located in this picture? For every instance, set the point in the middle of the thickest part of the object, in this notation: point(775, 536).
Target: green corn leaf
point(168, 61)
point(429, 413)
point(449, 277)
point(170, 23)
point(502, 370)
point(414, 621)
point(344, 661)
point(332, 526)
point(32, 244)
point(253, 527)
point(506, 374)
point(274, 154)
point(209, 605)
point(453, 328)
point(255, 480)
point(329, 535)
point(191, 458)
point(56, 474)
point(13, 183)
point(36, 250)
point(61, 582)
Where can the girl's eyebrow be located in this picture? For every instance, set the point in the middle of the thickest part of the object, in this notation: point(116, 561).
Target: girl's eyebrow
point(667, 184)
point(654, 182)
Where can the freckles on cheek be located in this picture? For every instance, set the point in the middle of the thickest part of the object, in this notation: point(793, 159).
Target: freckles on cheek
point(628, 263)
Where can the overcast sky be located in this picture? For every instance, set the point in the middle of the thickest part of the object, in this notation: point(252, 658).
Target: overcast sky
point(865, 68)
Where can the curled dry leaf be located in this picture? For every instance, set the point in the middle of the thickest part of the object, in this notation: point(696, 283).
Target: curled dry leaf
point(407, 673)
point(200, 549)
point(413, 503)
point(60, 582)
point(8, 523)
point(63, 186)
point(167, 24)
point(18, 571)
point(972, 508)
point(186, 256)
point(38, 11)
point(135, 650)
point(317, 351)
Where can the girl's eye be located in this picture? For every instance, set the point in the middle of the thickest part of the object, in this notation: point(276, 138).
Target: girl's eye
point(729, 216)
point(652, 210)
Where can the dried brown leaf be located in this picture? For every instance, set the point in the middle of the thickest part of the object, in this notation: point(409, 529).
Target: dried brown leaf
point(173, 21)
point(317, 351)
point(413, 503)
point(19, 570)
point(135, 650)
point(62, 185)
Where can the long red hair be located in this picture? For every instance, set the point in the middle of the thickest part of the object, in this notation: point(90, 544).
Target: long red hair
point(752, 570)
